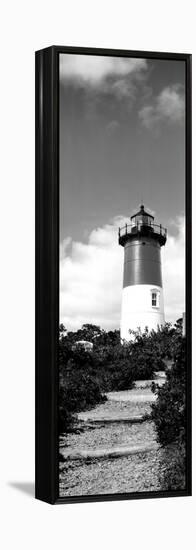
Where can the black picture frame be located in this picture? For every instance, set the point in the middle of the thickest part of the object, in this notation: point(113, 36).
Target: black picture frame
point(47, 270)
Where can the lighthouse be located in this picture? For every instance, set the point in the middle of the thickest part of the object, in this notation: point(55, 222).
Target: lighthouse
point(142, 296)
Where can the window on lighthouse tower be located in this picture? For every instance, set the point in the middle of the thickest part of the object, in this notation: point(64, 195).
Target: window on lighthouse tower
point(155, 298)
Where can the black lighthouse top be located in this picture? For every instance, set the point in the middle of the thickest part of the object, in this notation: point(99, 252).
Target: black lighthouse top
point(142, 225)
point(142, 216)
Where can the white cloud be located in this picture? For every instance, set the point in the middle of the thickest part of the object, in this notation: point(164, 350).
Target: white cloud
point(91, 277)
point(94, 69)
point(168, 106)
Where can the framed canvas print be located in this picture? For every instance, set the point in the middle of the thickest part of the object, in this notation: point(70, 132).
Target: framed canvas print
point(113, 274)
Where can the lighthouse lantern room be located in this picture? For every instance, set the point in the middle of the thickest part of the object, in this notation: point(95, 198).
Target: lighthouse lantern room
point(142, 297)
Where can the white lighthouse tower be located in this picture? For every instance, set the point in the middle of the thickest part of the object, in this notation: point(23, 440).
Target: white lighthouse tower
point(142, 297)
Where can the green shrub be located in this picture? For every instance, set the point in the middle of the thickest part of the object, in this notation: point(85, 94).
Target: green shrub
point(169, 415)
point(169, 411)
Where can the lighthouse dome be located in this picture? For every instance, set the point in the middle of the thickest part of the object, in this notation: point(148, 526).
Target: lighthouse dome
point(142, 217)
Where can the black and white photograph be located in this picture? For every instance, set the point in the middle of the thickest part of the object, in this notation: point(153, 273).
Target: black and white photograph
point(122, 264)
point(98, 269)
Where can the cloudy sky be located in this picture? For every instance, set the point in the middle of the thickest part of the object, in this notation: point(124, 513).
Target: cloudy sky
point(122, 141)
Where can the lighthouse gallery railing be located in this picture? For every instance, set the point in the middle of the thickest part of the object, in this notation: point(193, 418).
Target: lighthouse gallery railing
point(139, 227)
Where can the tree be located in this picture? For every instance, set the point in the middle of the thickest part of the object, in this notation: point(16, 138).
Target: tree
point(62, 330)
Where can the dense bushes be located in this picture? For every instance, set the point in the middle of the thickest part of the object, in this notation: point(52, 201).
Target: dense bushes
point(169, 411)
point(169, 415)
point(85, 376)
point(79, 388)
